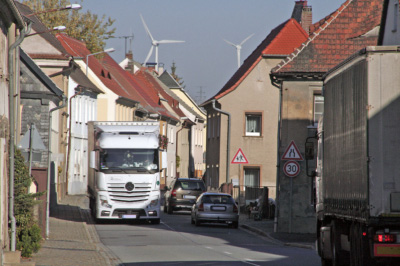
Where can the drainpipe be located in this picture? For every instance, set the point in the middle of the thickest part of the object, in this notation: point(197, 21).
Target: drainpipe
point(228, 141)
point(11, 102)
point(70, 134)
point(278, 160)
point(64, 100)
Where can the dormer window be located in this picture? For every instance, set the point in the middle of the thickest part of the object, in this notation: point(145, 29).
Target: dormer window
point(103, 74)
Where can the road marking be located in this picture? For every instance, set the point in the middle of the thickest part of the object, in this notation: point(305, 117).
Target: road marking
point(226, 252)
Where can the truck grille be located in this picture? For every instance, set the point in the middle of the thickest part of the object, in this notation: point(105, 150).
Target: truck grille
point(118, 192)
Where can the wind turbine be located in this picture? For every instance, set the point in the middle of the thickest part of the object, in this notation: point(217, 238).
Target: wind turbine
point(155, 43)
point(239, 47)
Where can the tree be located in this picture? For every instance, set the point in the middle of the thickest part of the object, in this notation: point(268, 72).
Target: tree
point(88, 27)
point(178, 79)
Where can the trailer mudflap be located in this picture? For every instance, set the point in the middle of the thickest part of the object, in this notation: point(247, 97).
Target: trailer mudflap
point(387, 250)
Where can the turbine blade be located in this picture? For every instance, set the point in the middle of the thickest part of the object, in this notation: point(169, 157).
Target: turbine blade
point(169, 41)
point(146, 28)
point(234, 45)
point(245, 40)
point(148, 55)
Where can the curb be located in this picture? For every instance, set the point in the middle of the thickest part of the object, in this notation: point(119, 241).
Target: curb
point(262, 233)
point(276, 241)
point(109, 257)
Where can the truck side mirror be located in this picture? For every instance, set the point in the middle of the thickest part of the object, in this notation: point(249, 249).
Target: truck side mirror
point(309, 151)
point(94, 160)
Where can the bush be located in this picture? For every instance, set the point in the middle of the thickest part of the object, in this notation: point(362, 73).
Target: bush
point(28, 233)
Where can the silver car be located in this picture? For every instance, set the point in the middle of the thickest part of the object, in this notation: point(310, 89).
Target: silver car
point(214, 207)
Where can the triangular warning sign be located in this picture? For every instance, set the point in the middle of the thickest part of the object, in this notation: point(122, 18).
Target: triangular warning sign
point(292, 153)
point(239, 158)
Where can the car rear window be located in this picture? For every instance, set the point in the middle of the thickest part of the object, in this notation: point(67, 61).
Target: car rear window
point(190, 185)
point(218, 199)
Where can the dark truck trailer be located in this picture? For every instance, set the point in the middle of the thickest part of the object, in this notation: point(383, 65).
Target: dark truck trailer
point(358, 165)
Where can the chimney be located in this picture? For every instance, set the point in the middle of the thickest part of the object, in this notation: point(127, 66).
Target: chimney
point(130, 67)
point(303, 14)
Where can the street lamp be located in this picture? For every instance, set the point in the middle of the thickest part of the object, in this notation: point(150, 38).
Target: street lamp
point(60, 28)
point(73, 6)
point(109, 50)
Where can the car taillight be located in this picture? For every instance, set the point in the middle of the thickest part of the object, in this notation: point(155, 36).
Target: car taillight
point(173, 192)
point(201, 207)
point(385, 238)
point(235, 209)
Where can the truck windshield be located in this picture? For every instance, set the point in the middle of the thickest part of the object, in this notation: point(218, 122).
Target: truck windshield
point(145, 160)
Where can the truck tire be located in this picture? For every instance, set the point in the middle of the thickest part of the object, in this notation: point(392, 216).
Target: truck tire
point(339, 256)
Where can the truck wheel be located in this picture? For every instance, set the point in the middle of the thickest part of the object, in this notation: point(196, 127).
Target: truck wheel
point(339, 257)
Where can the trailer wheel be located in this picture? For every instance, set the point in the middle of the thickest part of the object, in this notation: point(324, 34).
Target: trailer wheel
point(339, 257)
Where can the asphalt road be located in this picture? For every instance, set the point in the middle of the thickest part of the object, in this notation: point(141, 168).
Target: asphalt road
point(177, 242)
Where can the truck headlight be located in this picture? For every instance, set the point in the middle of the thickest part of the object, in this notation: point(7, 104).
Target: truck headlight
point(153, 203)
point(104, 202)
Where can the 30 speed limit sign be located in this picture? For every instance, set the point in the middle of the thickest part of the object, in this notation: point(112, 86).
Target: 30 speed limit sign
point(291, 168)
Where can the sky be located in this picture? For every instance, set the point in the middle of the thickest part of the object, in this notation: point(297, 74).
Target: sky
point(205, 62)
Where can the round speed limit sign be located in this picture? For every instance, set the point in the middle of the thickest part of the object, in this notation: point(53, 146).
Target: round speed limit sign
point(291, 168)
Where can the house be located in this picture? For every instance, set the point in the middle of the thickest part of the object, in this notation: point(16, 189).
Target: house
point(354, 25)
point(190, 148)
point(250, 104)
point(197, 130)
point(55, 62)
point(390, 26)
point(39, 97)
point(13, 28)
point(82, 107)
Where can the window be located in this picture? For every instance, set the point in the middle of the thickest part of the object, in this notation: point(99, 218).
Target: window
point(252, 177)
point(253, 124)
point(318, 107)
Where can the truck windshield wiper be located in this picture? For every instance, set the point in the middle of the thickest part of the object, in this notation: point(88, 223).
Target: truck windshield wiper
point(143, 169)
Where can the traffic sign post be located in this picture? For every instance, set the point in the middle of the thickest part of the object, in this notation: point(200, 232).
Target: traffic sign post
point(239, 159)
point(291, 169)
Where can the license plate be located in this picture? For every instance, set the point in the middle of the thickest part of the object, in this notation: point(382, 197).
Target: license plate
point(218, 208)
point(189, 197)
point(129, 216)
point(387, 250)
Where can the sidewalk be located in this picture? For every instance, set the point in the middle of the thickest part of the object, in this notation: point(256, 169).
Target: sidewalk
point(265, 228)
point(73, 239)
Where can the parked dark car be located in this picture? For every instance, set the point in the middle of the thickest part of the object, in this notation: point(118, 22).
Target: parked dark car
point(215, 208)
point(182, 194)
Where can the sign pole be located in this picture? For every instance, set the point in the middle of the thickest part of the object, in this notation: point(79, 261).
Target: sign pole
point(239, 188)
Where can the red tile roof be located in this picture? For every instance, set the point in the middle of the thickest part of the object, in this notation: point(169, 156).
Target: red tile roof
point(281, 41)
point(118, 80)
point(335, 38)
point(153, 92)
point(78, 49)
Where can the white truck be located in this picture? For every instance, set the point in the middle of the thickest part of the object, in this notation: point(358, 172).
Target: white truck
point(358, 164)
point(124, 170)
